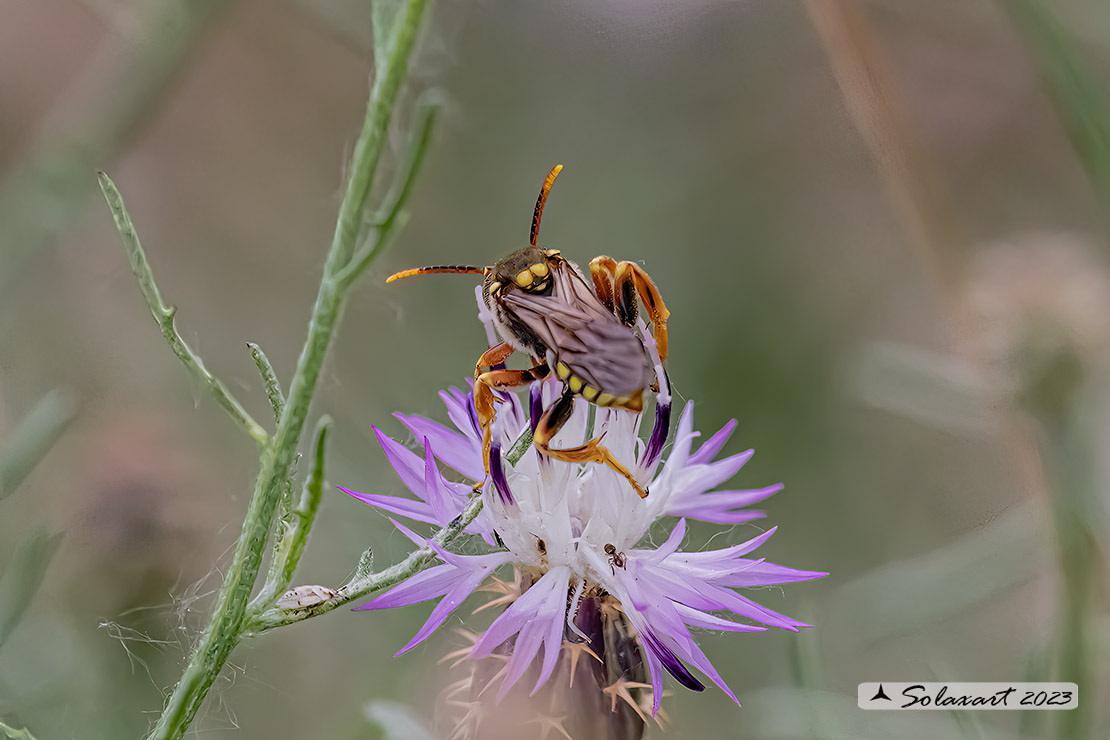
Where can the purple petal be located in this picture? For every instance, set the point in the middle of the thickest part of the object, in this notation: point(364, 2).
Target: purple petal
point(538, 616)
point(455, 450)
point(721, 506)
point(448, 604)
point(460, 409)
point(405, 507)
point(443, 504)
point(409, 465)
point(712, 445)
point(696, 618)
point(768, 574)
point(425, 585)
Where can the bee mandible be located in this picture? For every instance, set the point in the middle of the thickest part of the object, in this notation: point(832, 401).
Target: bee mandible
point(542, 305)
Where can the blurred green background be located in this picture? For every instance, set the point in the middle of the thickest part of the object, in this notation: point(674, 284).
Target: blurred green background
point(827, 300)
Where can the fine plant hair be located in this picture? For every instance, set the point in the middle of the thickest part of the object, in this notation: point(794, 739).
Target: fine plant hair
point(288, 488)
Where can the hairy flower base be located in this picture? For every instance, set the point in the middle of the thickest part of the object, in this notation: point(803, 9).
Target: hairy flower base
point(598, 689)
point(572, 531)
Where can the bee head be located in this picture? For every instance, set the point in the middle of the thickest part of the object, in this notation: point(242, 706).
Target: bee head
point(527, 269)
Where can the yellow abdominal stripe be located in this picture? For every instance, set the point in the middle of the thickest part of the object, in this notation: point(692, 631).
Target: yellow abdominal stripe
point(588, 392)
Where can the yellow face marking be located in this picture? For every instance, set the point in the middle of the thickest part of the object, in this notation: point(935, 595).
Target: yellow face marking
point(562, 370)
point(539, 269)
point(605, 399)
point(494, 286)
point(524, 278)
point(575, 383)
point(589, 393)
point(553, 253)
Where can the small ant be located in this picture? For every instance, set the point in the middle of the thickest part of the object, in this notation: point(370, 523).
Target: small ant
point(616, 559)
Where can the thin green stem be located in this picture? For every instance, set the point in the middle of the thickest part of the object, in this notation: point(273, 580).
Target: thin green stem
point(360, 586)
point(227, 621)
point(364, 583)
point(269, 380)
point(291, 540)
point(523, 442)
point(164, 314)
point(391, 216)
point(1079, 96)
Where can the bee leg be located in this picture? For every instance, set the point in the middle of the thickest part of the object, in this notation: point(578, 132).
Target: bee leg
point(492, 357)
point(553, 420)
point(602, 270)
point(630, 279)
point(484, 386)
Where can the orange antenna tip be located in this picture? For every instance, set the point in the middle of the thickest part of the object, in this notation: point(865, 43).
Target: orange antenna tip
point(432, 269)
point(541, 200)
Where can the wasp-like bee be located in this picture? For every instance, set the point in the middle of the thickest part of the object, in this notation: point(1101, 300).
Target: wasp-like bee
point(543, 306)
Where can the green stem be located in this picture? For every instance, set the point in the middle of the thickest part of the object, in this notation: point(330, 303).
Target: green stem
point(360, 586)
point(290, 541)
point(226, 624)
point(365, 583)
point(1077, 91)
point(164, 314)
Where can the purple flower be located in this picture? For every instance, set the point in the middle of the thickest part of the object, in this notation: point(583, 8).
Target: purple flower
point(575, 531)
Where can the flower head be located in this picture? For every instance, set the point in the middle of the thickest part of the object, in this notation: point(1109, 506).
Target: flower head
point(576, 533)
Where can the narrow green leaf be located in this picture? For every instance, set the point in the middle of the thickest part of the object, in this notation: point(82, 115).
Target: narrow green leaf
point(269, 380)
point(13, 734)
point(397, 721)
point(1078, 91)
point(36, 434)
point(164, 315)
point(902, 596)
point(23, 577)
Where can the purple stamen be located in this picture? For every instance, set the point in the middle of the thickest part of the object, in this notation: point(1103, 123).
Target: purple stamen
point(671, 662)
point(472, 412)
point(658, 434)
point(535, 405)
point(497, 472)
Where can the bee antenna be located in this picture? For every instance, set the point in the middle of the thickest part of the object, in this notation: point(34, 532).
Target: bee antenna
point(547, 183)
point(431, 269)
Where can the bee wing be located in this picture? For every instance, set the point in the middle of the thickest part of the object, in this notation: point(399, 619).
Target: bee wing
point(584, 335)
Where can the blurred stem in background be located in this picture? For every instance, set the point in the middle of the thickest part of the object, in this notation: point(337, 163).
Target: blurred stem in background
point(118, 89)
point(396, 26)
point(20, 451)
point(1070, 410)
point(1055, 399)
point(1084, 109)
point(857, 64)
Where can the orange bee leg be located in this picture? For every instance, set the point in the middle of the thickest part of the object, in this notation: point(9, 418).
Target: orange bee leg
point(484, 399)
point(602, 270)
point(553, 420)
point(493, 356)
point(630, 279)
